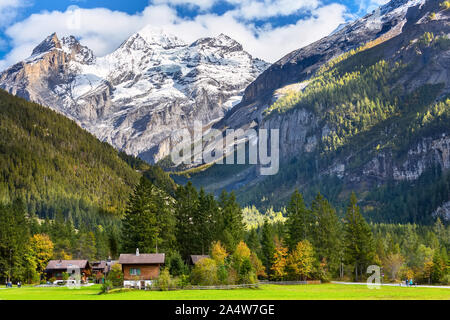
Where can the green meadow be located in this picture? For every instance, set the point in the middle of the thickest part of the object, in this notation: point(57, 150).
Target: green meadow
point(265, 292)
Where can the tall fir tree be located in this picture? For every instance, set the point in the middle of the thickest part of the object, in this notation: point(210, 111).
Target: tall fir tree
point(359, 247)
point(326, 233)
point(185, 209)
point(267, 245)
point(231, 226)
point(142, 225)
point(299, 221)
point(205, 221)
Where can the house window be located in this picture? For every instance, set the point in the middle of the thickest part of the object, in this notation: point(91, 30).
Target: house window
point(135, 272)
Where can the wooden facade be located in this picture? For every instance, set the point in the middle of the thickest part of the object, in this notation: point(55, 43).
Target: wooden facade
point(56, 268)
point(146, 272)
point(139, 270)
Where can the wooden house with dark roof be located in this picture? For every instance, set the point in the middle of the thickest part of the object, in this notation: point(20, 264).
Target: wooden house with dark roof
point(56, 268)
point(140, 269)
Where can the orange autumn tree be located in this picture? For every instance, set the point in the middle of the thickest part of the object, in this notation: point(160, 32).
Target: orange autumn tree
point(279, 263)
point(260, 270)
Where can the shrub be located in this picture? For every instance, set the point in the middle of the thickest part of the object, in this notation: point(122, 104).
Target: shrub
point(222, 274)
point(445, 280)
point(115, 275)
point(183, 281)
point(108, 285)
point(164, 281)
point(205, 273)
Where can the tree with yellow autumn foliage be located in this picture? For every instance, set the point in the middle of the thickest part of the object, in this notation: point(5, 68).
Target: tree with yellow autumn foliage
point(279, 263)
point(300, 262)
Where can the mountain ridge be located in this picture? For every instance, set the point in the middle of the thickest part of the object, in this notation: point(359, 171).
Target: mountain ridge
point(134, 97)
point(361, 109)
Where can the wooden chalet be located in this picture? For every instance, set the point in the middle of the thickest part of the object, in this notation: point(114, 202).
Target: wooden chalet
point(56, 268)
point(139, 270)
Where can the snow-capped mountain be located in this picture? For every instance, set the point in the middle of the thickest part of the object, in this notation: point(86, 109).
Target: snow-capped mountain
point(136, 96)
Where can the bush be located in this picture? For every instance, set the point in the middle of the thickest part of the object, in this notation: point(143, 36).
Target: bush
point(445, 280)
point(115, 275)
point(164, 281)
point(183, 281)
point(205, 273)
point(108, 285)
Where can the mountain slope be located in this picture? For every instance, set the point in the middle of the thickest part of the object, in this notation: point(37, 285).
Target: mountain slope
point(56, 166)
point(363, 109)
point(135, 97)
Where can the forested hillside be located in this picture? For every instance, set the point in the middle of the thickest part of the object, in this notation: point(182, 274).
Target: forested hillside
point(57, 167)
point(374, 120)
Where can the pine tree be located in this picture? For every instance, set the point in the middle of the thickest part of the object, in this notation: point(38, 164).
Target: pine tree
point(140, 227)
point(298, 222)
point(205, 221)
point(185, 209)
point(326, 233)
point(231, 225)
point(267, 245)
point(359, 249)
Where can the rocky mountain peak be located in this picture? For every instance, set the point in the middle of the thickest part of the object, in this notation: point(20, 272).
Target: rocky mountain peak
point(221, 41)
point(76, 50)
point(158, 37)
point(50, 43)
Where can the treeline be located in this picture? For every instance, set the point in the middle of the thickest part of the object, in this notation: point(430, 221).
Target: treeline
point(343, 247)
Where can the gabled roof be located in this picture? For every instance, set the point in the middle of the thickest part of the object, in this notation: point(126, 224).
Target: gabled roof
point(143, 258)
point(99, 265)
point(64, 264)
point(197, 257)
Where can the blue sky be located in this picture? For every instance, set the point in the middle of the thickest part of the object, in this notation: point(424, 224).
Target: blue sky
point(267, 29)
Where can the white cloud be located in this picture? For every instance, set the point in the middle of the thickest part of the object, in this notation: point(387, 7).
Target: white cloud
point(103, 30)
point(9, 10)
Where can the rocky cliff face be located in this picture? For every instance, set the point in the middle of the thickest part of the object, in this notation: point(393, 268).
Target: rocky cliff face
point(135, 97)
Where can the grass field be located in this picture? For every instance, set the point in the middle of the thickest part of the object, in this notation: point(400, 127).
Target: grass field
point(265, 292)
